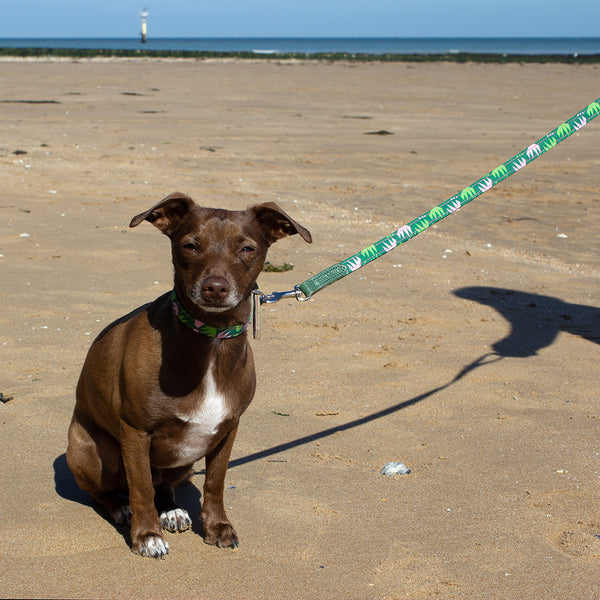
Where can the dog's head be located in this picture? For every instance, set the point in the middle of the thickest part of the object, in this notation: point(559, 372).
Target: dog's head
point(218, 254)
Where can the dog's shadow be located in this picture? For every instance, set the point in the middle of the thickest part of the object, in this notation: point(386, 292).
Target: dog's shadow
point(187, 496)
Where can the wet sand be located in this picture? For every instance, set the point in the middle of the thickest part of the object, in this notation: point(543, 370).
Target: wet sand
point(470, 354)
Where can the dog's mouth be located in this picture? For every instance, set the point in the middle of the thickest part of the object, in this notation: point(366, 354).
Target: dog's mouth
point(212, 305)
point(214, 308)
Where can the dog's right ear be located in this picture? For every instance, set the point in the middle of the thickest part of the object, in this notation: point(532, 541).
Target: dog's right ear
point(167, 214)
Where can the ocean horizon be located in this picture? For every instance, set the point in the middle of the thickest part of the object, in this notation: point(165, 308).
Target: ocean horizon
point(375, 46)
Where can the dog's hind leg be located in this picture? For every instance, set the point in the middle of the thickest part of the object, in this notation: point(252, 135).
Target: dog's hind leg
point(95, 461)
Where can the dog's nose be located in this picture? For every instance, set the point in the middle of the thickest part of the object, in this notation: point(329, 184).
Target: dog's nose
point(215, 288)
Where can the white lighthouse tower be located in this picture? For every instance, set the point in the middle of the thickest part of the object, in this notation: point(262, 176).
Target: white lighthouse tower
point(143, 17)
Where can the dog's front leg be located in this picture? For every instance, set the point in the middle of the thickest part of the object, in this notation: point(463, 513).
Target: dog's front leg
point(146, 537)
point(218, 531)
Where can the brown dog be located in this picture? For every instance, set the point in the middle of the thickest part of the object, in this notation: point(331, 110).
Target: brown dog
point(166, 384)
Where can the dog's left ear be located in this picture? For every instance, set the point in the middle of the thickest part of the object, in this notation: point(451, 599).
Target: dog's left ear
point(167, 214)
point(276, 223)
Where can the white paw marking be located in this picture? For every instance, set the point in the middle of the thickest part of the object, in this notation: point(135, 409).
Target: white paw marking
point(155, 547)
point(175, 520)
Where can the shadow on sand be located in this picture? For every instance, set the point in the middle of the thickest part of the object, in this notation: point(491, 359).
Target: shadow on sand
point(535, 320)
point(535, 323)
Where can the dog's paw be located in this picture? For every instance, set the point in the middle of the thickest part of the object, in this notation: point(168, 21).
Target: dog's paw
point(151, 545)
point(175, 520)
point(221, 534)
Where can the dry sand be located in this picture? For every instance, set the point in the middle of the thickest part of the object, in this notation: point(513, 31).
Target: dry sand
point(470, 354)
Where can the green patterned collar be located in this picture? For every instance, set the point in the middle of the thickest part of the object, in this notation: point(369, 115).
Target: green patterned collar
point(203, 328)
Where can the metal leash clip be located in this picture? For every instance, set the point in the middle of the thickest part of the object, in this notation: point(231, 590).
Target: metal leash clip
point(259, 298)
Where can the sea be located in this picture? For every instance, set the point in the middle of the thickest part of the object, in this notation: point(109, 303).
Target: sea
point(373, 46)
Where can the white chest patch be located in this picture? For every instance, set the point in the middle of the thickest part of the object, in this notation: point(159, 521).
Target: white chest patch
point(210, 411)
point(203, 421)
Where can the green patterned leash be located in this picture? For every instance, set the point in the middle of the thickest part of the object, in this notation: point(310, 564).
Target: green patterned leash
point(336, 272)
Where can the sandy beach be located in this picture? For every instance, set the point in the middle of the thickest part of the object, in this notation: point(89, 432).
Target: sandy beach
point(469, 354)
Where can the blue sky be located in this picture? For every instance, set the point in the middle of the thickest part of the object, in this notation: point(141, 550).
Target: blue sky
point(301, 18)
